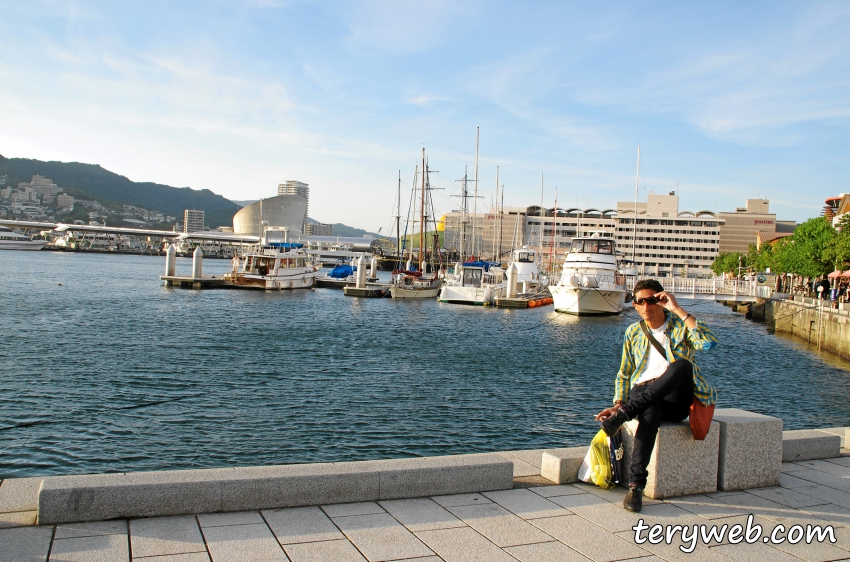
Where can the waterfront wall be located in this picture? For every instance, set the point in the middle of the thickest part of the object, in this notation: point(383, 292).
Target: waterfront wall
point(828, 328)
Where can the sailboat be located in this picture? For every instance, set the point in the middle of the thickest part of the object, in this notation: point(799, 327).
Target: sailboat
point(417, 284)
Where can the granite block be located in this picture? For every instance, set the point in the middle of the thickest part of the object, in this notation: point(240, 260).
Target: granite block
point(269, 487)
point(545, 551)
point(561, 465)
point(750, 449)
point(532, 456)
point(809, 444)
point(349, 509)
point(553, 491)
point(457, 474)
point(91, 529)
point(19, 494)
point(521, 468)
point(230, 518)
point(94, 497)
point(460, 499)
point(18, 519)
point(589, 539)
point(679, 465)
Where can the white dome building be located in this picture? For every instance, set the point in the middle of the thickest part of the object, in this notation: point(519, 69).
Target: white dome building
point(281, 211)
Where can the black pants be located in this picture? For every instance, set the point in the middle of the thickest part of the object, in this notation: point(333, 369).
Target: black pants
point(667, 398)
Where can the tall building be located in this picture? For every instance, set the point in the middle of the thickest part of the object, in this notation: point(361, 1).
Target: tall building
point(321, 229)
point(193, 221)
point(741, 228)
point(292, 187)
point(663, 241)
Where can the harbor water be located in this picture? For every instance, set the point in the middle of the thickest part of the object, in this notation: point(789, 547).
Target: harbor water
point(103, 369)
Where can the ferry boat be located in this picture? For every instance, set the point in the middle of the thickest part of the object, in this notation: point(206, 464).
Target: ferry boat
point(590, 283)
point(275, 266)
point(11, 240)
point(476, 283)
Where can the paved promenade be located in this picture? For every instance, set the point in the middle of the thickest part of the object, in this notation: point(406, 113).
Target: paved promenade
point(533, 522)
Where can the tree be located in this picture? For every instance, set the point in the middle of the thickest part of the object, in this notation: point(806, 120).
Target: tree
point(727, 262)
point(838, 251)
point(810, 250)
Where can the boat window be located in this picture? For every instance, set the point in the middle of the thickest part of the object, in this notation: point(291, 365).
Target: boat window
point(525, 257)
point(577, 245)
point(591, 246)
point(472, 277)
point(606, 247)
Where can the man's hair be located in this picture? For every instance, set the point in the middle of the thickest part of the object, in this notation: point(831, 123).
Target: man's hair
point(648, 284)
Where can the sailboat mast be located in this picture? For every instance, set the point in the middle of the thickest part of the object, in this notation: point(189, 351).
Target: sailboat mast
point(541, 215)
point(475, 201)
point(634, 240)
point(496, 204)
point(463, 218)
point(501, 220)
point(554, 225)
point(398, 223)
point(422, 215)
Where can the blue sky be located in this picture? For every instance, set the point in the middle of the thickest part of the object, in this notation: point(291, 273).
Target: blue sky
point(731, 100)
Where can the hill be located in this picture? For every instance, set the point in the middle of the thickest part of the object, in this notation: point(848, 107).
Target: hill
point(91, 181)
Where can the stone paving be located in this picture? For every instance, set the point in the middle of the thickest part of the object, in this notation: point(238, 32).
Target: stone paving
point(534, 522)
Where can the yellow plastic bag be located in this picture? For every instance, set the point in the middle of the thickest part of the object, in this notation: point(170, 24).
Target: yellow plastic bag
point(596, 467)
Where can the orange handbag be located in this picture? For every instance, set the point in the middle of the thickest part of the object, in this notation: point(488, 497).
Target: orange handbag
point(700, 419)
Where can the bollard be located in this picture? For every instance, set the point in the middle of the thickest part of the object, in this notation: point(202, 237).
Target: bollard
point(171, 261)
point(197, 263)
point(373, 267)
point(361, 272)
point(512, 272)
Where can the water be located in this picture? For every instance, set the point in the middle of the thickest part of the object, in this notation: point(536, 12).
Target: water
point(110, 371)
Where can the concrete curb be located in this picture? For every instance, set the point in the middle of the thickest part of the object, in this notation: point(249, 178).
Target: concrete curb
point(96, 497)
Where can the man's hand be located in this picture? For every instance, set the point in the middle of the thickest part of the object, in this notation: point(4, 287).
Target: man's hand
point(606, 413)
point(668, 301)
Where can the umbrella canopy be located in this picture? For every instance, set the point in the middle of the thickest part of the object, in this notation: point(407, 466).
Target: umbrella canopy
point(834, 274)
point(846, 273)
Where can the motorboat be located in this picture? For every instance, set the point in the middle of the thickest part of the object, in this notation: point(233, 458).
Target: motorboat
point(11, 240)
point(475, 283)
point(275, 265)
point(529, 280)
point(590, 283)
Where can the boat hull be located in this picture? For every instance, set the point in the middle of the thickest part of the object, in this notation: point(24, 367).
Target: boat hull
point(588, 302)
point(271, 283)
point(407, 293)
point(22, 244)
point(476, 296)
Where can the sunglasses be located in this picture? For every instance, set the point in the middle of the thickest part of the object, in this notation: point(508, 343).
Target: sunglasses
point(646, 300)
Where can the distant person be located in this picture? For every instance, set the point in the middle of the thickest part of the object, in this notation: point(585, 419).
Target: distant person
point(235, 263)
point(653, 387)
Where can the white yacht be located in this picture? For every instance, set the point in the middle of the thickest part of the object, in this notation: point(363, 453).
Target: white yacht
point(275, 266)
point(590, 283)
point(528, 276)
point(477, 283)
point(11, 240)
point(415, 285)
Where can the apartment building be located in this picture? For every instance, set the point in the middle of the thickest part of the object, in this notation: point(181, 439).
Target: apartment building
point(193, 221)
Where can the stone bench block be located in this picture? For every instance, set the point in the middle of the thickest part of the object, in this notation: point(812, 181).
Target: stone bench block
point(679, 465)
point(297, 485)
point(809, 444)
point(561, 465)
point(95, 497)
point(750, 449)
point(439, 476)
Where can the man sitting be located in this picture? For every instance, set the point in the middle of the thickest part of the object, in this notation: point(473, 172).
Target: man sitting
point(653, 387)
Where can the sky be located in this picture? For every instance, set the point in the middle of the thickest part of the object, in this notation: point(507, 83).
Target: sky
point(727, 100)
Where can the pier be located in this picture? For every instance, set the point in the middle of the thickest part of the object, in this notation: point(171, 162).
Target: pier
point(709, 289)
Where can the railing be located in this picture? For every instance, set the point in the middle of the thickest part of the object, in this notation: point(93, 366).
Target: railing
point(694, 286)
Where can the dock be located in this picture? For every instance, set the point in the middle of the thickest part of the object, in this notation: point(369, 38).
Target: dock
point(370, 291)
point(188, 282)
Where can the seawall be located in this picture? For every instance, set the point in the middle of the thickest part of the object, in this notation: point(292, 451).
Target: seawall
point(828, 328)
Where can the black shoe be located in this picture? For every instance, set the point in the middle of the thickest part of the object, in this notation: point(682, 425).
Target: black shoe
point(634, 499)
point(612, 425)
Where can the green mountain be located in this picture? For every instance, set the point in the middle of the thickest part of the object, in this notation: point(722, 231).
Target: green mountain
point(90, 181)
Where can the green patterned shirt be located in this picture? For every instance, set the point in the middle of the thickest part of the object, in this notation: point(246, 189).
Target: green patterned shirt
point(682, 343)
